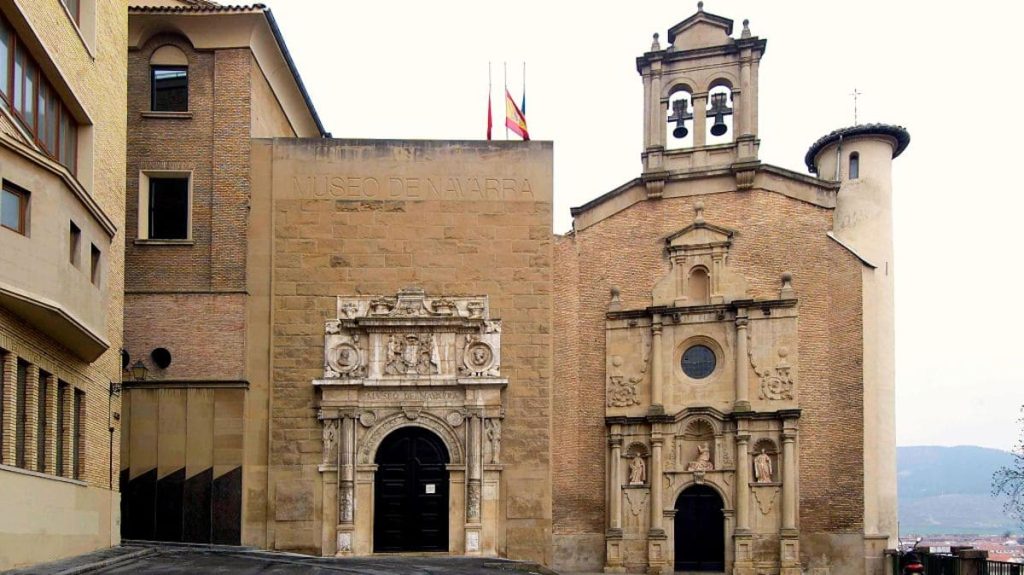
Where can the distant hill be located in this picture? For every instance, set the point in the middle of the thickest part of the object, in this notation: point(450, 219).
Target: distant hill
point(948, 490)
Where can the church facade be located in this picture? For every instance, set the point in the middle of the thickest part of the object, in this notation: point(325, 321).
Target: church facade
point(374, 346)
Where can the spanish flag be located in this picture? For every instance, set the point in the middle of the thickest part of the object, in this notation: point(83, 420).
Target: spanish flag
point(514, 118)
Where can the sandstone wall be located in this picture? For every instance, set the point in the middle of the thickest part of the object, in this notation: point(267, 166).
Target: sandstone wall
point(370, 217)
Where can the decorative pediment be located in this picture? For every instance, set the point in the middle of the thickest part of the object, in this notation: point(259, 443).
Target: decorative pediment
point(700, 30)
point(699, 235)
point(700, 274)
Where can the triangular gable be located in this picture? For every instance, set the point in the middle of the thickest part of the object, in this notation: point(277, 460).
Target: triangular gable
point(700, 234)
point(700, 30)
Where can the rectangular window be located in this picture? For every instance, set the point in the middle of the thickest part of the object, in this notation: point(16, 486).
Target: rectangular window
point(14, 208)
point(169, 88)
point(20, 414)
point(94, 267)
point(42, 423)
point(78, 439)
point(58, 451)
point(74, 7)
point(6, 49)
point(75, 244)
point(168, 209)
point(34, 101)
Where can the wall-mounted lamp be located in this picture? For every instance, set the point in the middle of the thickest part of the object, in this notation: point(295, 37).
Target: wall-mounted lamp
point(139, 371)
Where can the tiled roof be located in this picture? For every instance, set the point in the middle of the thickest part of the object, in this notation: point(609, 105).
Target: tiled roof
point(197, 6)
point(898, 133)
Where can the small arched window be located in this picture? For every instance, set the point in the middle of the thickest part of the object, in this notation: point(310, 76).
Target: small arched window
point(169, 80)
point(854, 166)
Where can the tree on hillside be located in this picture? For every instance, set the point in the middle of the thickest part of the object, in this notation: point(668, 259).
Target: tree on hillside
point(1009, 481)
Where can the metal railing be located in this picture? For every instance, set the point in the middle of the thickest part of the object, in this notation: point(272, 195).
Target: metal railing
point(1002, 568)
point(940, 564)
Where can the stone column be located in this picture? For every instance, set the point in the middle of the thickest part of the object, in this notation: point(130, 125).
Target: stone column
point(700, 120)
point(615, 480)
point(8, 408)
point(789, 480)
point(656, 481)
point(742, 484)
point(657, 118)
point(346, 471)
point(657, 402)
point(742, 108)
point(473, 482)
point(648, 111)
point(742, 381)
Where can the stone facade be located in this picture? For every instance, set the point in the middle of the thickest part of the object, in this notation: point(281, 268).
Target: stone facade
point(60, 326)
point(711, 342)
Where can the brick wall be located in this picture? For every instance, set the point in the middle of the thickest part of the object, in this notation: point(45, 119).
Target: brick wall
point(774, 234)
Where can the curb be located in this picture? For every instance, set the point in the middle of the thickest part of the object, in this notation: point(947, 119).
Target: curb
point(111, 562)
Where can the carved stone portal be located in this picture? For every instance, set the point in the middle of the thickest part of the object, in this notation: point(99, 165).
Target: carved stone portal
point(412, 360)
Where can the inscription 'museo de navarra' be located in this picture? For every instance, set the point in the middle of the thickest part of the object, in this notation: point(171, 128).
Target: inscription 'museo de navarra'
point(409, 188)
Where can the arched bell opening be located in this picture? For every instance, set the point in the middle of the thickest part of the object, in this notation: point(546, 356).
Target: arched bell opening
point(680, 119)
point(719, 112)
point(411, 492)
point(698, 286)
point(700, 530)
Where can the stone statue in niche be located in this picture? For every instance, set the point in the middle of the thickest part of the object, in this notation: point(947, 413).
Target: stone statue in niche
point(493, 427)
point(637, 470)
point(763, 468)
point(703, 461)
point(330, 436)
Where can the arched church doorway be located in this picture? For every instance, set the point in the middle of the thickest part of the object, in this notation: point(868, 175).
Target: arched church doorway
point(700, 530)
point(411, 492)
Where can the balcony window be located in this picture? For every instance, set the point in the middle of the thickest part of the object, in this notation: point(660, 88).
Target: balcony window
point(14, 208)
point(74, 8)
point(34, 102)
point(94, 268)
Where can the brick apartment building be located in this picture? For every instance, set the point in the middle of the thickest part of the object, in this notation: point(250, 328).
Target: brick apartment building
point(62, 158)
point(363, 346)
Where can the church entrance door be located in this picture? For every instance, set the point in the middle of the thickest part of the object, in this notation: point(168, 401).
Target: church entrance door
point(700, 530)
point(411, 492)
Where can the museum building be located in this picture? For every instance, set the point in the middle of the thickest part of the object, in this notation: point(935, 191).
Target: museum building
point(348, 347)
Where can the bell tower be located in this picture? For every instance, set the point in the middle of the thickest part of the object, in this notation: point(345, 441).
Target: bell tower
point(700, 100)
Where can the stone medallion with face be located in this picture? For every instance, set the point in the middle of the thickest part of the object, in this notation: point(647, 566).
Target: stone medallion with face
point(344, 358)
point(479, 356)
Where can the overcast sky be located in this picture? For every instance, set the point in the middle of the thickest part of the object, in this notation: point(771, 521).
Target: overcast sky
point(419, 70)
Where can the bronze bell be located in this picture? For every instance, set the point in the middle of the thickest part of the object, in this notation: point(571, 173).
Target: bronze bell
point(719, 108)
point(719, 128)
point(679, 116)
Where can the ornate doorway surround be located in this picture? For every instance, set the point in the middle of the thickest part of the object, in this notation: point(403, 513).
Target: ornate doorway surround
point(411, 360)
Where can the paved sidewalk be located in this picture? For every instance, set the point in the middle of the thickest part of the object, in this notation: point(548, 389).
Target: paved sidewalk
point(135, 559)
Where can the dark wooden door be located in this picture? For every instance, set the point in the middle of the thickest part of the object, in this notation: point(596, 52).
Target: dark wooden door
point(700, 530)
point(411, 493)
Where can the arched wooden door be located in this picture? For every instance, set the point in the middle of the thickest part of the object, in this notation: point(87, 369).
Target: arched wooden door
point(700, 530)
point(411, 492)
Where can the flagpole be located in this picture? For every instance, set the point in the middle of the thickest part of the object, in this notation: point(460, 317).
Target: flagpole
point(489, 118)
point(505, 97)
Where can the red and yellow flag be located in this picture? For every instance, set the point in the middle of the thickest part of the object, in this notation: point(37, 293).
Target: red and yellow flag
point(514, 118)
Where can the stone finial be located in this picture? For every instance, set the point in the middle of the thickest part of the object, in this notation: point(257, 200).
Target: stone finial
point(698, 208)
point(616, 303)
point(655, 45)
point(787, 292)
point(700, 6)
point(746, 29)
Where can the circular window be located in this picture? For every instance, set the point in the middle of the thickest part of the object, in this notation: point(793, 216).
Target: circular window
point(699, 361)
